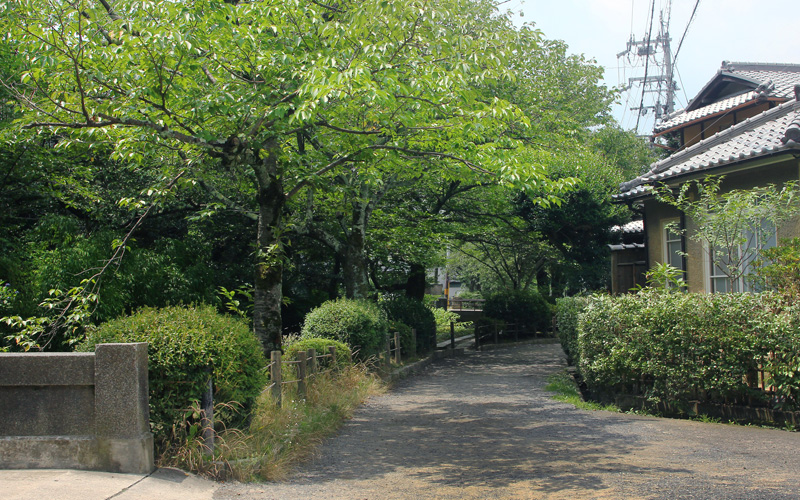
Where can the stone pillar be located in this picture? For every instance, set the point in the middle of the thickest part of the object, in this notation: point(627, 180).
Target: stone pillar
point(122, 412)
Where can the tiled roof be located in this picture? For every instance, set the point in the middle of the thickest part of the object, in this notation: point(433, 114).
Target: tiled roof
point(773, 131)
point(626, 246)
point(772, 81)
point(636, 226)
point(683, 116)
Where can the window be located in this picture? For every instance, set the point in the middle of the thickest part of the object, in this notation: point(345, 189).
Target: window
point(673, 245)
point(729, 270)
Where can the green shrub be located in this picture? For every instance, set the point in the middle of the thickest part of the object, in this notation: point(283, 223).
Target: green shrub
point(519, 307)
point(416, 315)
point(779, 269)
point(358, 323)
point(321, 346)
point(568, 310)
point(182, 343)
point(683, 346)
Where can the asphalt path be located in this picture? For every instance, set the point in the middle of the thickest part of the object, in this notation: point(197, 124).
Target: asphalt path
point(483, 427)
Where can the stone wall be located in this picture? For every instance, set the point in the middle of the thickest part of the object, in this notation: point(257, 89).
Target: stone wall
point(76, 410)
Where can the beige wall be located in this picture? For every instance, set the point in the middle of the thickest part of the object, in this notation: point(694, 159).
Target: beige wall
point(657, 214)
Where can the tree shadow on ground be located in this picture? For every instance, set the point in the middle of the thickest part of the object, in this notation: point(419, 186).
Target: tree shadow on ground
point(482, 421)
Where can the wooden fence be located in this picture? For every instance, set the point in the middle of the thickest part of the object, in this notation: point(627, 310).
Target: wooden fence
point(307, 367)
point(308, 362)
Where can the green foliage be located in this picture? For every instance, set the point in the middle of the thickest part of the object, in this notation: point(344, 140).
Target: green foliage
point(520, 307)
point(361, 324)
point(183, 343)
point(443, 319)
point(320, 345)
point(735, 225)
point(684, 346)
point(568, 310)
point(779, 269)
point(416, 315)
point(666, 276)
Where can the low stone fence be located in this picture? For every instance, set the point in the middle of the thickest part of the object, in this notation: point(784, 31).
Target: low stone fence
point(76, 410)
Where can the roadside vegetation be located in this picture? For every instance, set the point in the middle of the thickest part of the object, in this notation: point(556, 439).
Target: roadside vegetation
point(227, 179)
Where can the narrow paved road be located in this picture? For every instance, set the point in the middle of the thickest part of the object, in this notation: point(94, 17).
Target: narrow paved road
point(483, 427)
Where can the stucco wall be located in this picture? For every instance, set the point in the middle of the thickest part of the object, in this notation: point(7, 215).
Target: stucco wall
point(657, 214)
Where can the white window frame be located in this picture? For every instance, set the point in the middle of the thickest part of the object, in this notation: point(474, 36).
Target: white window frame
point(665, 245)
point(741, 283)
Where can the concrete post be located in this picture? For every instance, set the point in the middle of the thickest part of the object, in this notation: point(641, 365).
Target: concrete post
point(122, 411)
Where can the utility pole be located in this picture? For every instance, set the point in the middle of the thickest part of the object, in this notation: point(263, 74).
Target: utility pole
point(659, 73)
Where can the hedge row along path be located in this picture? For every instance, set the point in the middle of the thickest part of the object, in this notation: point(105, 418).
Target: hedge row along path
point(482, 427)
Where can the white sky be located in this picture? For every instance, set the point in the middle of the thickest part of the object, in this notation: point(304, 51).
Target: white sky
point(730, 30)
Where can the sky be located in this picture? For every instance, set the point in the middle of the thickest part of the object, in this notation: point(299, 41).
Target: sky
point(722, 30)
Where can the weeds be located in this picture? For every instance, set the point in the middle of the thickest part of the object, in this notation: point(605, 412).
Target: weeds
point(566, 390)
point(278, 437)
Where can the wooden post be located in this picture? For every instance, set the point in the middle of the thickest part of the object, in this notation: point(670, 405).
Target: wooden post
point(452, 336)
point(312, 361)
point(413, 342)
point(397, 347)
point(302, 358)
point(495, 333)
point(477, 337)
point(332, 352)
point(275, 371)
point(207, 414)
point(516, 332)
point(388, 356)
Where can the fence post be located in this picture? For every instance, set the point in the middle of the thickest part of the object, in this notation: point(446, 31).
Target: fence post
point(495, 333)
point(332, 352)
point(312, 361)
point(388, 348)
point(207, 414)
point(397, 347)
point(516, 331)
point(452, 335)
point(477, 336)
point(275, 372)
point(413, 342)
point(301, 373)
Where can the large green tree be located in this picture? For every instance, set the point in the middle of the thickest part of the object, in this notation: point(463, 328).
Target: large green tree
point(273, 94)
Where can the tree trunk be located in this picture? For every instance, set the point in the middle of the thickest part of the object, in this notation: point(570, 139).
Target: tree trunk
point(268, 294)
point(415, 285)
point(356, 279)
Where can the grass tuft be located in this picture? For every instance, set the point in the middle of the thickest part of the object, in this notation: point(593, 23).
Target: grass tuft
point(279, 437)
point(566, 390)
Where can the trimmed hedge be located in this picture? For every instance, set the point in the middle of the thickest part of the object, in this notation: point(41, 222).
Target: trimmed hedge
point(683, 346)
point(416, 315)
point(520, 307)
point(568, 310)
point(361, 324)
point(321, 346)
point(182, 343)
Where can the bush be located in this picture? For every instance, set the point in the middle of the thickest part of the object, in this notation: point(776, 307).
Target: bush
point(416, 315)
point(568, 310)
point(321, 346)
point(182, 343)
point(683, 346)
point(520, 307)
point(358, 323)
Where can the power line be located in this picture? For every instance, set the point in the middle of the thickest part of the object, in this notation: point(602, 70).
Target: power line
point(647, 60)
point(680, 44)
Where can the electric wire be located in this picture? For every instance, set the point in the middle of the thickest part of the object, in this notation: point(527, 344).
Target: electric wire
point(680, 44)
point(647, 61)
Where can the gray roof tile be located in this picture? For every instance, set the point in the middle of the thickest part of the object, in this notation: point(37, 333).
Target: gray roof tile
point(770, 132)
point(776, 81)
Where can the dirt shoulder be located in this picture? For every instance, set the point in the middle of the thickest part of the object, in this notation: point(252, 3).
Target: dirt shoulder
point(482, 427)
